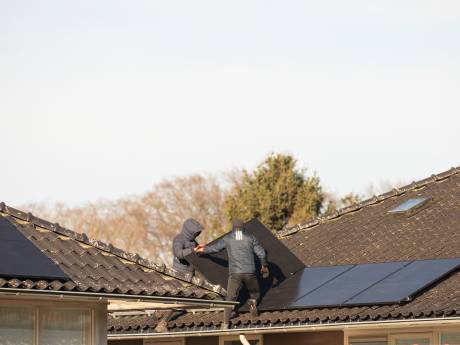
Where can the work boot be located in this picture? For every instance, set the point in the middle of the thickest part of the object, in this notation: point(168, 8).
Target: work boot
point(253, 308)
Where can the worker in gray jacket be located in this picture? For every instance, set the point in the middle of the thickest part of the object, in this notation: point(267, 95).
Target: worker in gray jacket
point(184, 244)
point(241, 247)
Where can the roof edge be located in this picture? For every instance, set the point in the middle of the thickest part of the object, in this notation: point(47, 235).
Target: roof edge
point(369, 202)
point(293, 327)
point(109, 248)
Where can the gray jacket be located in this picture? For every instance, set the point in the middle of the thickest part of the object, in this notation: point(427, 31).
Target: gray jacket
point(241, 248)
point(184, 243)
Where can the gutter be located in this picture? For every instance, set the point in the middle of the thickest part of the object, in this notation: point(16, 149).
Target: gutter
point(292, 329)
point(107, 296)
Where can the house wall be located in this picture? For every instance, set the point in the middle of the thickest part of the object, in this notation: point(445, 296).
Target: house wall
point(202, 341)
point(310, 338)
point(188, 341)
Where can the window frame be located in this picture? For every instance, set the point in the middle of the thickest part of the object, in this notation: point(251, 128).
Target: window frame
point(457, 330)
point(258, 337)
point(387, 332)
point(154, 341)
point(393, 337)
point(364, 339)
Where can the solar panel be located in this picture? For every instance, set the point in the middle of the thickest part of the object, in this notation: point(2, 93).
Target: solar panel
point(363, 284)
point(299, 285)
point(348, 284)
point(20, 258)
point(282, 262)
point(406, 282)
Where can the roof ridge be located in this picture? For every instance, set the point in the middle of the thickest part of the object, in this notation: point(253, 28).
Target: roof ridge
point(370, 201)
point(109, 248)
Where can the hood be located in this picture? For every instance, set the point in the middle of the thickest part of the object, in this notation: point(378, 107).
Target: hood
point(237, 224)
point(191, 229)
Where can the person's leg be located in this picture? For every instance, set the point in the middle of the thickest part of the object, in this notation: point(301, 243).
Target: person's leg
point(250, 280)
point(253, 286)
point(233, 288)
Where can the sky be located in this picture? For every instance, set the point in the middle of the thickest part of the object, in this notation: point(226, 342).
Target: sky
point(103, 99)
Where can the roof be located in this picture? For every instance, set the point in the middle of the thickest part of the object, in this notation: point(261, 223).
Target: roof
point(96, 267)
point(361, 233)
point(439, 302)
point(365, 232)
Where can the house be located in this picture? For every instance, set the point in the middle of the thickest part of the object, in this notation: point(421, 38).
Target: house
point(56, 285)
point(420, 221)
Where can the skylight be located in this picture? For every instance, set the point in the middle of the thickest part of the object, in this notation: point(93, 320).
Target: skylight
point(410, 205)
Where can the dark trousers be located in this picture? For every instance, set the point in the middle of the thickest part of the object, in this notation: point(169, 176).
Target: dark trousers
point(236, 280)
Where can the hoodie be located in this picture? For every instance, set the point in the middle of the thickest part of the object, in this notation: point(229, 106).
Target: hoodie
point(241, 249)
point(184, 243)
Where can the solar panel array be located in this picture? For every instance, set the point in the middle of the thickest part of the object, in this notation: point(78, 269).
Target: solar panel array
point(353, 285)
point(20, 258)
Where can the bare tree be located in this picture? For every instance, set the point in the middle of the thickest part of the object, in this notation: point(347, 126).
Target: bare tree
point(147, 223)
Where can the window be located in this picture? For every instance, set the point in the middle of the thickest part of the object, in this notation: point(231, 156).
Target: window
point(16, 326)
point(44, 326)
point(410, 205)
point(449, 338)
point(412, 339)
point(65, 327)
point(235, 340)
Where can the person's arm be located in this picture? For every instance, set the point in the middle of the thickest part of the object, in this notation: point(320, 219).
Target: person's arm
point(179, 251)
point(213, 248)
point(216, 247)
point(260, 252)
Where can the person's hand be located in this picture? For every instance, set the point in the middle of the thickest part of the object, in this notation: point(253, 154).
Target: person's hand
point(199, 249)
point(264, 271)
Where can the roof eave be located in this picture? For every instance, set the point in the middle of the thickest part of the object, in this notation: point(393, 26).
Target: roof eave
point(110, 296)
point(338, 326)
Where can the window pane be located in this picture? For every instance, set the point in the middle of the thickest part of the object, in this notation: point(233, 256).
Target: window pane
point(450, 338)
point(413, 341)
point(16, 326)
point(65, 327)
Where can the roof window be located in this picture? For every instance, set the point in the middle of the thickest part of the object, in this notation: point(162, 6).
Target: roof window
point(409, 205)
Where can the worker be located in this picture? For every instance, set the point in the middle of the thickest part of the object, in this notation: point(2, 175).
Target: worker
point(185, 244)
point(241, 247)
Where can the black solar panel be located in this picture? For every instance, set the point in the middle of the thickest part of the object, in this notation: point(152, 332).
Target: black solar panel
point(405, 283)
point(364, 284)
point(299, 285)
point(19, 258)
point(283, 263)
point(348, 284)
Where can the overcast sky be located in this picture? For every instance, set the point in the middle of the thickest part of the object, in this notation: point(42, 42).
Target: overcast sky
point(101, 99)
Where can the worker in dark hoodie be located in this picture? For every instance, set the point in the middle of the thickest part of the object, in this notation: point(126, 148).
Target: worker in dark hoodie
point(241, 249)
point(184, 244)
